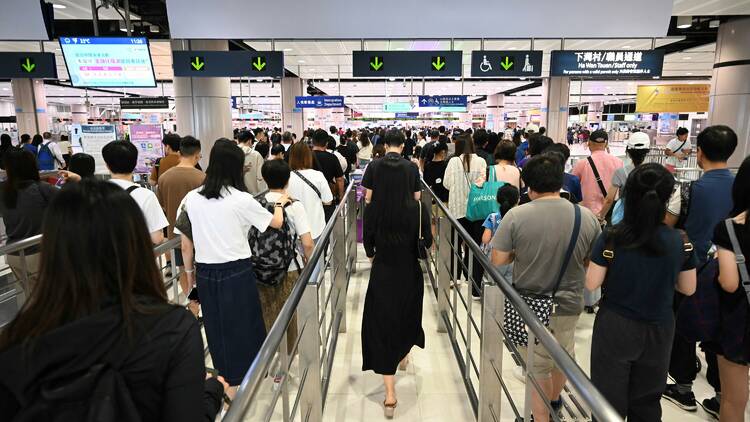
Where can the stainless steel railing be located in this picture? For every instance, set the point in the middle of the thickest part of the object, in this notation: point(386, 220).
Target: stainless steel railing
point(13, 294)
point(479, 341)
point(287, 385)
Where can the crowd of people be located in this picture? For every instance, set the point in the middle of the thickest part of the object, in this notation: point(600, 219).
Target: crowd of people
point(621, 239)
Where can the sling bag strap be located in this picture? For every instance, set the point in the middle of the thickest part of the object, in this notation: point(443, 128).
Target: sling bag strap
point(309, 183)
point(131, 189)
point(680, 147)
point(740, 258)
point(598, 177)
point(571, 248)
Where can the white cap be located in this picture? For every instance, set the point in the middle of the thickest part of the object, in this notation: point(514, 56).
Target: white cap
point(532, 128)
point(639, 140)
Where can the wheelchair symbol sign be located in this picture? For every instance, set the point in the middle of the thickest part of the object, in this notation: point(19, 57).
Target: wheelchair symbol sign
point(485, 66)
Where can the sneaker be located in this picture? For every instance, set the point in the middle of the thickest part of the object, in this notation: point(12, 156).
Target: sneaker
point(711, 406)
point(685, 401)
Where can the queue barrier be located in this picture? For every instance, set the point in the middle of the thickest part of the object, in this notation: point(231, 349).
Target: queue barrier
point(14, 292)
point(476, 333)
point(284, 384)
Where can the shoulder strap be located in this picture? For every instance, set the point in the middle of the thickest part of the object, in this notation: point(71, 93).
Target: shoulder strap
point(598, 177)
point(309, 183)
point(739, 256)
point(131, 189)
point(571, 247)
point(680, 147)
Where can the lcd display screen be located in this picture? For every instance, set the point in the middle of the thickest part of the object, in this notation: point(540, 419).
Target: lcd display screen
point(114, 62)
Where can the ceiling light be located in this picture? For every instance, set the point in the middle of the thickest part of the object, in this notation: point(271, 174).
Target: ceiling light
point(326, 79)
point(287, 49)
point(456, 79)
point(399, 48)
point(300, 61)
point(154, 29)
point(59, 6)
point(627, 46)
point(689, 73)
point(713, 24)
point(259, 80)
point(391, 79)
point(687, 58)
point(684, 22)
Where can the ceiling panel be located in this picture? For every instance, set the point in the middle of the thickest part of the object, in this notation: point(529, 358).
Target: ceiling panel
point(710, 7)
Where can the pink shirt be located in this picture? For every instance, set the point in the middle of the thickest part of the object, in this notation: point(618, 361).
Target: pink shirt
point(606, 164)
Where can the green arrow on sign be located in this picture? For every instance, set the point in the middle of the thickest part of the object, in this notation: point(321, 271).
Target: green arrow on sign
point(197, 63)
point(506, 64)
point(376, 63)
point(438, 63)
point(259, 63)
point(28, 65)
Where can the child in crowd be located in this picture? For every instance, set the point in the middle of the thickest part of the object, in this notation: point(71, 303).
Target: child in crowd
point(507, 196)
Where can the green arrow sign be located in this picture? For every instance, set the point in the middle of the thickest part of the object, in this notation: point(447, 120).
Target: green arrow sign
point(438, 63)
point(376, 63)
point(507, 64)
point(259, 63)
point(197, 62)
point(28, 65)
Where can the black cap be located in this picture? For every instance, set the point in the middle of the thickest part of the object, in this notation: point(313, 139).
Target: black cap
point(434, 134)
point(597, 135)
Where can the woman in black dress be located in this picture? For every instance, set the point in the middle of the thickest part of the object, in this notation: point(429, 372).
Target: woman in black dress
point(392, 321)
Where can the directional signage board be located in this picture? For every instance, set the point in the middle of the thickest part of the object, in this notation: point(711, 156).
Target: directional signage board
point(28, 65)
point(138, 103)
point(506, 63)
point(373, 64)
point(443, 101)
point(321, 101)
point(255, 64)
point(607, 64)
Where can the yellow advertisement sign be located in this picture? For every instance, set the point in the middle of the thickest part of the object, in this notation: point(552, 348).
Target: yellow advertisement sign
point(672, 98)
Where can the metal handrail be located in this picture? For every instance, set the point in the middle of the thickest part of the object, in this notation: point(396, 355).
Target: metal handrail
point(20, 245)
point(600, 407)
point(263, 360)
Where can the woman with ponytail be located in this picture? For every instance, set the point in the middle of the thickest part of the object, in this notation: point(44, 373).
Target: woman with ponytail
point(639, 263)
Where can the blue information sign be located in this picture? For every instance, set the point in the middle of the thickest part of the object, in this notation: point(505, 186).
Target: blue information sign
point(319, 102)
point(442, 101)
point(407, 115)
point(607, 63)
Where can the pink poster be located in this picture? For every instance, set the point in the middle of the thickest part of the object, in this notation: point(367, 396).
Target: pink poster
point(147, 138)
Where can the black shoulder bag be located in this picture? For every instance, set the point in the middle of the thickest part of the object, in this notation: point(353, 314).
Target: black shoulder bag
point(542, 305)
point(603, 188)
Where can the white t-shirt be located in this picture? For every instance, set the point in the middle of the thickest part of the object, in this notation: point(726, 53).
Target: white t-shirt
point(298, 222)
point(298, 189)
point(674, 146)
point(55, 149)
point(220, 226)
point(253, 178)
point(149, 204)
point(342, 160)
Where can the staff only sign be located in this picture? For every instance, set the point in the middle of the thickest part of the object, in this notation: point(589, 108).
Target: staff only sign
point(607, 64)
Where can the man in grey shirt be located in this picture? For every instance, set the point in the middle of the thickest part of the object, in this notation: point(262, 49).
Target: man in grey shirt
point(535, 237)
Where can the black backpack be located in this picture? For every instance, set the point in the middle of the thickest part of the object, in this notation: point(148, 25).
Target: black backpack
point(273, 250)
point(97, 395)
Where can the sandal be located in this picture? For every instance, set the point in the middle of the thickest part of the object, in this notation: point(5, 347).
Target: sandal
point(389, 410)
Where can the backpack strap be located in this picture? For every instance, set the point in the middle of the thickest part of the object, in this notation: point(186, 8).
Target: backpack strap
point(571, 247)
point(131, 189)
point(597, 176)
point(739, 257)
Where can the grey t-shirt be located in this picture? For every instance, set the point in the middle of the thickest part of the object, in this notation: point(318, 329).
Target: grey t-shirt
point(539, 233)
point(621, 176)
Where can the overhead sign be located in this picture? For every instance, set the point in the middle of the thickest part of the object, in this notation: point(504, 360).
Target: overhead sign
point(506, 63)
point(130, 103)
point(678, 98)
point(407, 115)
point(28, 65)
point(396, 107)
point(255, 64)
point(607, 63)
point(443, 101)
point(369, 64)
point(319, 102)
point(394, 19)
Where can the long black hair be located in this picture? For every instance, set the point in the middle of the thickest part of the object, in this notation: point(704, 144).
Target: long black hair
point(37, 140)
point(22, 171)
point(86, 262)
point(647, 191)
point(741, 191)
point(390, 201)
point(224, 170)
point(465, 146)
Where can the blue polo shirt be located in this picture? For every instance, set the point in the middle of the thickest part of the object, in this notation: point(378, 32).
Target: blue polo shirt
point(521, 151)
point(710, 204)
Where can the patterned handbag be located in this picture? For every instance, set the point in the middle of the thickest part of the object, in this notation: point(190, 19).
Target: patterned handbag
point(541, 305)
